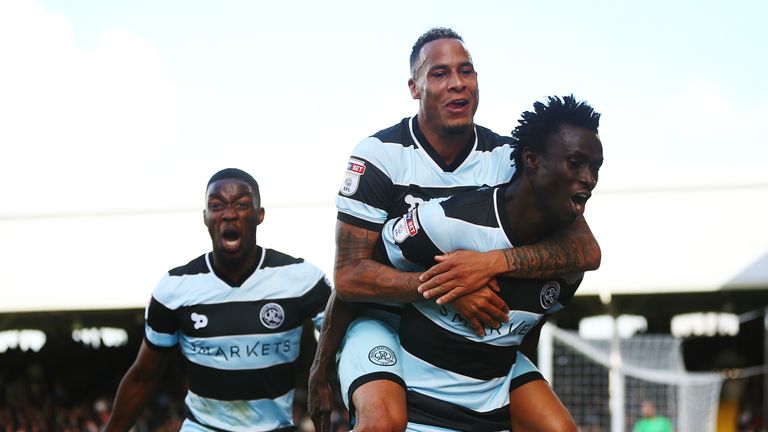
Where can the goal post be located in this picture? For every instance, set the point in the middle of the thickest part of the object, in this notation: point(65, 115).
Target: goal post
point(604, 382)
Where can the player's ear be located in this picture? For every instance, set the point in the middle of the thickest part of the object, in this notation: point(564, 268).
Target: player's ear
point(415, 94)
point(530, 159)
point(261, 216)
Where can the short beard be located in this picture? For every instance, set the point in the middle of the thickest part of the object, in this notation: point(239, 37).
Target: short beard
point(457, 129)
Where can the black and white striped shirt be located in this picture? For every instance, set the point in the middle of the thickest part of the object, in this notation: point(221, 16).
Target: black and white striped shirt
point(456, 379)
point(241, 343)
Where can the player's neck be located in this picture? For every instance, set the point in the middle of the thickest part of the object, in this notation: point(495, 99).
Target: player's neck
point(528, 222)
point(235, 270)
point(448, 146)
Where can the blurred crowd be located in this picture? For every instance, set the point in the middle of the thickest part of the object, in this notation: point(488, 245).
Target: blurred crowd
point(46, 394)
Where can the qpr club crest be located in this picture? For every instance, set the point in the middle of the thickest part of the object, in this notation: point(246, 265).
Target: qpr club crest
point(355, 170)
point(272, 315)
point(549, 294)
point(383, 356)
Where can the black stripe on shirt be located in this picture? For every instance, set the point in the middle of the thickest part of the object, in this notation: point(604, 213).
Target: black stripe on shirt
point(426, 340)
point(160, 318)
point(267, 383)
point(196, 266)
point(243, 318)
point(278, 259)
point(419, 248)
point(475, 208)
point(430, 411)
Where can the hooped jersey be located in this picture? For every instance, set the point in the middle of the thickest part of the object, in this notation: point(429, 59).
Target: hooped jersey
point(241, 344)
point(396, 169)
point(444, 360)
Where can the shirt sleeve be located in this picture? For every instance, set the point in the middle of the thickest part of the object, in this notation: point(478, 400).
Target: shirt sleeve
point(317, 300)
point(161, 328)
point(367, 189)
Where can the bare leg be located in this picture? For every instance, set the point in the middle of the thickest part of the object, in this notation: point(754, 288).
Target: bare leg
point(380, 407)
point(534, 407)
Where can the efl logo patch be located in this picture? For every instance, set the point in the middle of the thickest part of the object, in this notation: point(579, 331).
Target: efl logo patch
point(200, 320)
point(272, 315)
point(549, 294)
point(355, 170)
point(382, 356)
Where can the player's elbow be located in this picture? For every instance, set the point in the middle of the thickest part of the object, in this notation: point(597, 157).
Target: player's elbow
point(348, 287)
point(348, 293)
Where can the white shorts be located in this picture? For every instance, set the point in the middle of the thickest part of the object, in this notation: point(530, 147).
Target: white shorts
point(370, 351)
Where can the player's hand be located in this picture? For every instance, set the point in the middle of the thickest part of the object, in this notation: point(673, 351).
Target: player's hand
point(457, 274)
point(482, 308)
point(320, 399)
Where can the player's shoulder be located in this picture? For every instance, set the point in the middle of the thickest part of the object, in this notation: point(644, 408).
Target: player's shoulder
point(475, 207)
point(195, 266)
point(398, 133)
point(489, 140)
point(384, 150)
point(481, 194)
point(296, 273)
point(178, 279)
point(274, 259)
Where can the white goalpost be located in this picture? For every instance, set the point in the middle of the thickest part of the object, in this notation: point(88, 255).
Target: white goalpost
point(604, 382)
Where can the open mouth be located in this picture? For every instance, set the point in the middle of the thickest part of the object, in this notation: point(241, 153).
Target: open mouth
point(230, 235)
point(580, 198)
point(230, 240)
point(457, 104)
point(579, 201)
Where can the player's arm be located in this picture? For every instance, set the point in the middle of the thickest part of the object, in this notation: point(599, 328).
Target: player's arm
point(137, 386)
point(357, 277)
point(338, 315)
point(571, 249)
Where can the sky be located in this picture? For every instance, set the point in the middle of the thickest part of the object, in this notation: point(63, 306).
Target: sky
point(128, 107)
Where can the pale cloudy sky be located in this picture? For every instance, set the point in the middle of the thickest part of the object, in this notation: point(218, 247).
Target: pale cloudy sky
point(129, 106)
point(133, 104)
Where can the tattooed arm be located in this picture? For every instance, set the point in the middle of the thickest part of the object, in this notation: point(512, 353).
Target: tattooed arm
point(572, 249)
point(358, 277)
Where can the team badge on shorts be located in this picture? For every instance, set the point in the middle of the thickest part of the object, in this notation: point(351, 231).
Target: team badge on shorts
point(549, 294)
point(382, 356)
point(272, 315)
point(355, 170)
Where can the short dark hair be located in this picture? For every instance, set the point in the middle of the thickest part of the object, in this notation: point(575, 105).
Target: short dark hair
point(235, 173)
point(545, 119)
point(430, 35)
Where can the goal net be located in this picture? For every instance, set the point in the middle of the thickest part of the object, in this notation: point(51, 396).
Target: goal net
point(604, 382)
